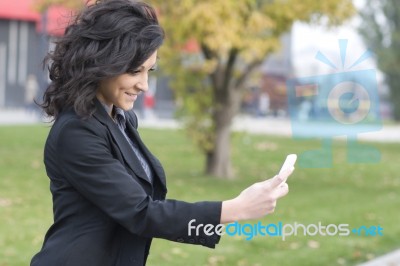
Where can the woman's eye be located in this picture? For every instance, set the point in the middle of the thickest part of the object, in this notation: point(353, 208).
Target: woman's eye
point(133, 72)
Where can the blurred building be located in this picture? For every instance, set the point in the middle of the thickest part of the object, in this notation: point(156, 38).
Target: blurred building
point(24, 40)
point(275, 71)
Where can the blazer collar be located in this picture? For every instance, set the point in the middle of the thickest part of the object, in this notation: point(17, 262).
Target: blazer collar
point(157, 167)
point(131, 160)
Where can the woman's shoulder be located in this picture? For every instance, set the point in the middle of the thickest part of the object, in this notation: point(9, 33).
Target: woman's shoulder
point(69, 120)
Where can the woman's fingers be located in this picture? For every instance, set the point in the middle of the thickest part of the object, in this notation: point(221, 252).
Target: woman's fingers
point(279, 179)
point(261, 198)
point(282, 190)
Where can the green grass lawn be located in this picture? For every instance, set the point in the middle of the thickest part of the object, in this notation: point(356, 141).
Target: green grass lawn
point(354, 194)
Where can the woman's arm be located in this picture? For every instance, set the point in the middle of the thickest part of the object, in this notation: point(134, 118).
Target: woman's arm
point(88, 165)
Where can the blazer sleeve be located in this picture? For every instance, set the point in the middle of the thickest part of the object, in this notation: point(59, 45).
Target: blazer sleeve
point(87, 164)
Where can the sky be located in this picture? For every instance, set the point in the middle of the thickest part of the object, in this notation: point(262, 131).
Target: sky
point(308, 40)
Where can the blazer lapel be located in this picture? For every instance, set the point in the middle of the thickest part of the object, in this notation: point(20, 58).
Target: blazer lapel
point(156, 165)
point(130, 158)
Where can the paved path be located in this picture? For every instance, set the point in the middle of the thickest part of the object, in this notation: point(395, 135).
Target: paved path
point(390, 259)
point(283, 127)
point(15, 117)
point(270, 126)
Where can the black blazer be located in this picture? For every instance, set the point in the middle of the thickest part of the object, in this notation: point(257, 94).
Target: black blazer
point(105, 210)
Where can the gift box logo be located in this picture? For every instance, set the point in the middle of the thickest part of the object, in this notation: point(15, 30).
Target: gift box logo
point(343, 103)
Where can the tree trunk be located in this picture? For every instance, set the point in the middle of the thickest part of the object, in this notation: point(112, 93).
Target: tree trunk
point(218, 160)
point(227, 98)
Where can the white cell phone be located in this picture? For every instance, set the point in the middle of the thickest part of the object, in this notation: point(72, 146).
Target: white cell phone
point(289, 162)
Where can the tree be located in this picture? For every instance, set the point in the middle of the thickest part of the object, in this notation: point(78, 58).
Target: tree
point(381, 31)
point(233, 39)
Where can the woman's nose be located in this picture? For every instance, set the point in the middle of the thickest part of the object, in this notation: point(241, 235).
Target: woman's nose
point(143, 83)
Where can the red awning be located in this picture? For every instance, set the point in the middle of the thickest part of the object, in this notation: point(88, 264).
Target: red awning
point(18, 10)
point(57, 17)
point(57, 20)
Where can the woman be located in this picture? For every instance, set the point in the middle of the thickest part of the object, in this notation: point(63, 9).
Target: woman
point(108, 189)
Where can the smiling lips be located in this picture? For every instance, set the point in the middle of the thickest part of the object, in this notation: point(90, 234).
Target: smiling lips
point(131, 96)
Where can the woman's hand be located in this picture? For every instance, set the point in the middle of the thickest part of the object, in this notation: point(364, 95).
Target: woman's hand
point(257, 200)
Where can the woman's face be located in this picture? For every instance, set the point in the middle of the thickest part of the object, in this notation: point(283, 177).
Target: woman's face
point(122, 90)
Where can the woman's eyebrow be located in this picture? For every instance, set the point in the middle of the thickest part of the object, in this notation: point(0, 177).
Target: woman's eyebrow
point(152, 66)
point(143, 66)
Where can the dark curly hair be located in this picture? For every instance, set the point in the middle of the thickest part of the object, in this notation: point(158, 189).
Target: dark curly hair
point(106, 39)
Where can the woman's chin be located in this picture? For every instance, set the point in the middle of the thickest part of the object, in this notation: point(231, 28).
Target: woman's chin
point(127, 106)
